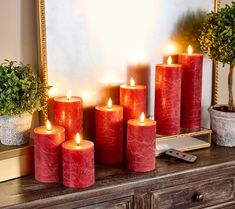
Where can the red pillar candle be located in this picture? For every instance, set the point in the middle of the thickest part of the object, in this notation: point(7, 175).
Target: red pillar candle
point(68, 112)
point(141, 144)
point(167, 98)
point(191, 89)
point(109, 133)
point(47, 153)
point(141, 72)
point(78, 163)
point(133, 99)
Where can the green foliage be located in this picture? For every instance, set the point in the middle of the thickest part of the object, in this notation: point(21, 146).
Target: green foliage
point(20, 89)
point(218, 35)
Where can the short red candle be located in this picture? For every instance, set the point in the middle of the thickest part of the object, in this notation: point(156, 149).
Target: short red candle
point(78, 163)
point(167, 98)
point(47, 153)
point(141, 145)
point(109, 134)
point(191, 90)
point(69, 114)
point(133, 99)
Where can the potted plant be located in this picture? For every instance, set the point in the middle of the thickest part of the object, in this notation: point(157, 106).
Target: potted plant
point(21, 93)
point(218, 41)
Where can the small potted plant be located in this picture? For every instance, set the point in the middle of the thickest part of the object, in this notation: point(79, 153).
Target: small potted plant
point(218, 41)
point(21, 93)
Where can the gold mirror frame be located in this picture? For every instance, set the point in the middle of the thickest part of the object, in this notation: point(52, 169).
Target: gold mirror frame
point(42, 50)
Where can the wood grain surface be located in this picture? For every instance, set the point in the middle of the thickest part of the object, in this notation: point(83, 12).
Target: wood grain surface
point(116, 187)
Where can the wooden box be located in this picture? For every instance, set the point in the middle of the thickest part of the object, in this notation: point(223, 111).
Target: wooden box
point(16, 161)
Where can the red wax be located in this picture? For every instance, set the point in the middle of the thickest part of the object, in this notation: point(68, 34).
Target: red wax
point(167, 98)
point(109, 134)
point(141, 74)
point(141, 145)
point(78, 164)
point(191, 90)
point(47, 153)
point(69, 114)
point(133, 99)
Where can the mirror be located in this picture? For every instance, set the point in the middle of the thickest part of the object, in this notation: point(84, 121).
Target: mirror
point(88, 45)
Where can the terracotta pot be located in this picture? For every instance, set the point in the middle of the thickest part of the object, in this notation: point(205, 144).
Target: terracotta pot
point(15, 130)
point(223, 126)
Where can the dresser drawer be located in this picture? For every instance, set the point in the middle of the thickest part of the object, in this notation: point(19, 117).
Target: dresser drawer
point(195, 195)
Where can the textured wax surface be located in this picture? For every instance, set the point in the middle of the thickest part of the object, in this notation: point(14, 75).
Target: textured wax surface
point(167, 99)
point(78, 164)
point(191, 90)
point(15, 129)
point(109, 134)
point(141, 145)
point(133, 99)
point(69, 114)
point(47, 153)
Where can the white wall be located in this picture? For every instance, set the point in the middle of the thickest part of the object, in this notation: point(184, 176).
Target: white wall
point(223, 74)
point(18, 31)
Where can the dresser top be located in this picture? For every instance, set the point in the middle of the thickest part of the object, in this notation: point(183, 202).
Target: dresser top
point(211, 162)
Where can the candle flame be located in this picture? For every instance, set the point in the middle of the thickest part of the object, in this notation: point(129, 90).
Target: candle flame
point(48, 125)
point(78, 139)
point(169, 60)
point(142, 117)
point(69, 94)
point(190, 50)
point(132, 82)
point(109, 103)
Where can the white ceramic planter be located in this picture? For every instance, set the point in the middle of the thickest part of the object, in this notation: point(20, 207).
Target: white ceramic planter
point(223, 127)
point(15, 130)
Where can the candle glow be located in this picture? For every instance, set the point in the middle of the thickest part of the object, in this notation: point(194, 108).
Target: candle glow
point(78, 139)
point(132, 82)
point(190, 50)
point(109, 103)
point(169, 60)
point(142, 117)
point(170, 49)
point(69, 95)
point(53, 91)
point(48, 125)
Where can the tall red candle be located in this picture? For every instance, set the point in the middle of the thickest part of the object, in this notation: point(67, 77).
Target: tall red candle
point(109, 133)
point(167, 98)
point(78, 163)
point(141, 144)
point(133, 99)
point(68, 112)
point(191, 89)
point(47, 153)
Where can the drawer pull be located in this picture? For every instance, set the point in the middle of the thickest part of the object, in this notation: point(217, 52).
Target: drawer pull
point(198, 197)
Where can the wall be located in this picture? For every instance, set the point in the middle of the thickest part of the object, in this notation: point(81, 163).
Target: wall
point(18, 31)
point(18, 38)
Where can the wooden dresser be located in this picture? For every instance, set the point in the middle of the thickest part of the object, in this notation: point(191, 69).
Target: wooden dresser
point(207, 183)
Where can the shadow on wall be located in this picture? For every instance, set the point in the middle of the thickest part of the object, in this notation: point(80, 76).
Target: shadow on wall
point(188, 28)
